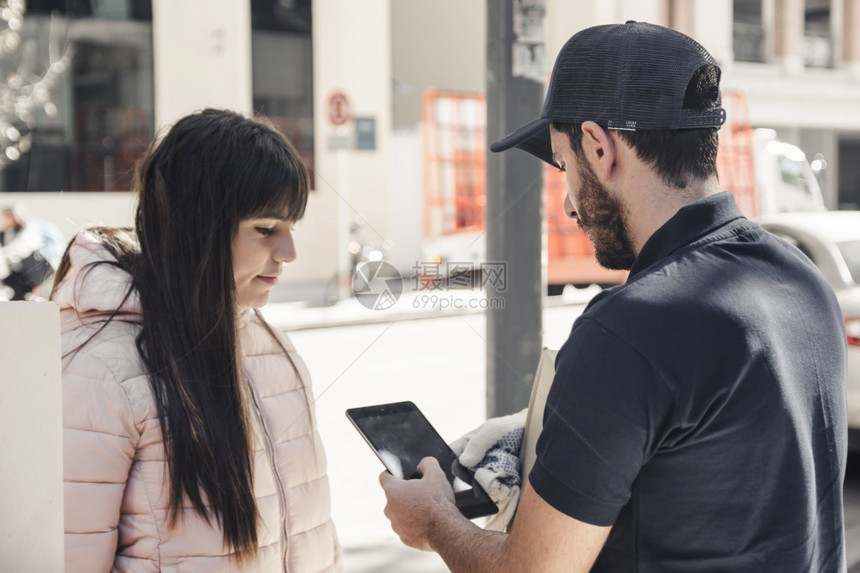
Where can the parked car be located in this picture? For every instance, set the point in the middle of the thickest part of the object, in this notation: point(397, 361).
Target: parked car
point(831, 240)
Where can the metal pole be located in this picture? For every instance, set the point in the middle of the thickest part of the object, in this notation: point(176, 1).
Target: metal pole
point(515, 77)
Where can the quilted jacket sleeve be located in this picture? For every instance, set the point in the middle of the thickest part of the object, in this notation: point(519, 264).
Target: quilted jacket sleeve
point(99, 441)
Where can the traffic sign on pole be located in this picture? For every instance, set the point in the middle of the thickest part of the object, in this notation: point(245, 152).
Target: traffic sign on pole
point(338, 109)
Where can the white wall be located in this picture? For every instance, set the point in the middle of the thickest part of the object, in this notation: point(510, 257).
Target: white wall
point(31, 438)
point(202, 51)
point(816, 99)
point(440, 44)
point(407, 199)
point(72, 212)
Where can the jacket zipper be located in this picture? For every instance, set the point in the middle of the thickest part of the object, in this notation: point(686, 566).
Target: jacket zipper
point(279, 485)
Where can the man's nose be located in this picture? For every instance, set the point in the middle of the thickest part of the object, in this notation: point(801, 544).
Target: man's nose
point(568, 206)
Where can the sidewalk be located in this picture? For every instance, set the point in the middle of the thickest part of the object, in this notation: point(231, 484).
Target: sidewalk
point(411, 305)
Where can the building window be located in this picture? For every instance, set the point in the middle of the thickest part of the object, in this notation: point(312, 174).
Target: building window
point(748, 31)
point(94, 118)
point(817, 39)
point(282, 68)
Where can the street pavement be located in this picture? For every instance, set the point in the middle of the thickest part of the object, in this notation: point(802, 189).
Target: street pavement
point(411, 305)
point(433, 356)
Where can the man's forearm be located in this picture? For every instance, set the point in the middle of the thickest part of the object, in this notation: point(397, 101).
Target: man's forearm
point(423, 514)
point(465, 547)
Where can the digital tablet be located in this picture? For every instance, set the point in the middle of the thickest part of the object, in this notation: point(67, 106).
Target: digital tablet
point(401, 436)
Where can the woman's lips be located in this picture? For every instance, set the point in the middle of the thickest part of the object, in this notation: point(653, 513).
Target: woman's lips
point(269, 280)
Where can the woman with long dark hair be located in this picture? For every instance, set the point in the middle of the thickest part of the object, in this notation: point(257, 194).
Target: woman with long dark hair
point(190, 435)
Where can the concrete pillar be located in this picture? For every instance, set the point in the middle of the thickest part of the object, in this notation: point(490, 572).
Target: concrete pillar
point(31, 438)
point(680, 16)
point(202, 57)
point(652, 11)
point(837, 29)
point(514, 205)
point(664, 10)
point(768, 20)
point(788, 35)
point(352, 57)
point(851, 35)
point(712, 27)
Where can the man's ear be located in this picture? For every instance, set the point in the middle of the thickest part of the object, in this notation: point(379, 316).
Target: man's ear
point(599, 148)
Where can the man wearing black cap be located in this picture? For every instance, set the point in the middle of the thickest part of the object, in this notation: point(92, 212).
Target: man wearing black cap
point(696, 421)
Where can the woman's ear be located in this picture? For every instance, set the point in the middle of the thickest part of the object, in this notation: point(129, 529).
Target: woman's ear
point(599, 149)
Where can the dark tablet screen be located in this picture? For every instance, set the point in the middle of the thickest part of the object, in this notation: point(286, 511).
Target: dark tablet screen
point(401, 436)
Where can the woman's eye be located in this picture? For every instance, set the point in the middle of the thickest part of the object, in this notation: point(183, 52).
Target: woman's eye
point(266, 231)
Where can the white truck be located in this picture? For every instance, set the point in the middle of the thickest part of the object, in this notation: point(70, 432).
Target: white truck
point(784, 180)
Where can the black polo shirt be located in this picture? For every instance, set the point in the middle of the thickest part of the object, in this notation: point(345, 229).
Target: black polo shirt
point(699, 408)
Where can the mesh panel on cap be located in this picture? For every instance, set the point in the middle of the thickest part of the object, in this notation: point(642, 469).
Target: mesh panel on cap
point(586, 77)
point(630, 76)
point(653, 96)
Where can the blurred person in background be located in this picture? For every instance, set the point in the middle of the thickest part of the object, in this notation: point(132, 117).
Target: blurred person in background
point(190, 438)
point(30, 250)
point(697, 418)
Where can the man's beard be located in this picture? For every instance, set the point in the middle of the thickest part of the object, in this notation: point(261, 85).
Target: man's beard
point(602, 217)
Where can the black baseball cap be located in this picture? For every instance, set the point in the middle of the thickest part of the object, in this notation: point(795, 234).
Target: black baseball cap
point(629, 76)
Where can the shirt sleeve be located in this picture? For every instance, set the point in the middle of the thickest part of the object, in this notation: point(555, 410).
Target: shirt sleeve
point(99, 442)
point(605, 414)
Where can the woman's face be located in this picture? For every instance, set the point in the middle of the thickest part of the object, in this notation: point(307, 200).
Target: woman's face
point(260, 246)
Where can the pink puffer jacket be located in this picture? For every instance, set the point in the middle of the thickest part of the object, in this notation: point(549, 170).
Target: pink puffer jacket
point(114, 465)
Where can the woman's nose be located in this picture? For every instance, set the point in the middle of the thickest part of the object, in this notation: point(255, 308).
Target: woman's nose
point(286, 249)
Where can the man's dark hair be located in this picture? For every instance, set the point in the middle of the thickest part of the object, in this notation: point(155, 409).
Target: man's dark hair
point(677, 155)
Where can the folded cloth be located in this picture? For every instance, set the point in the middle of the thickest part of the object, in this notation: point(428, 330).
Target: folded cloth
point(491, 453)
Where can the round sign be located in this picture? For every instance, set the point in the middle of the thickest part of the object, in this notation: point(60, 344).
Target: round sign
point(338, 109)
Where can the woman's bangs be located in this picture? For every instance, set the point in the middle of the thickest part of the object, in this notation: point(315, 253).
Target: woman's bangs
point(276, 186)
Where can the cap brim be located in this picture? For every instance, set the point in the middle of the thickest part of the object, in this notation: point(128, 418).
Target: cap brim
point(532, 138)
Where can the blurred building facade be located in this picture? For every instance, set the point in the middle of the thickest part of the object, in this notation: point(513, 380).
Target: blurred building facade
point(797, 61)
point(345, 79)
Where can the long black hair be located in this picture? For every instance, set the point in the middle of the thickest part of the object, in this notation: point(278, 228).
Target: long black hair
point(211, 170)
